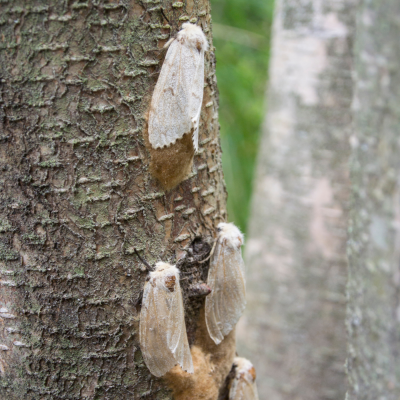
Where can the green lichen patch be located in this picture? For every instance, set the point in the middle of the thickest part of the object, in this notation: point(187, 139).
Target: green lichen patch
point(7, 254)
point(33, 238)
point(84, 223)
point(52, 163)
point(5, 226)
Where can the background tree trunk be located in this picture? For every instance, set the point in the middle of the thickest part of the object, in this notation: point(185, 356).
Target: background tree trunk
point(76, 197)
point(374, 241)
point(294, 325)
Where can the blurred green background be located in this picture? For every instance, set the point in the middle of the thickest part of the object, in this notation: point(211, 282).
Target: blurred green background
point(241, 30)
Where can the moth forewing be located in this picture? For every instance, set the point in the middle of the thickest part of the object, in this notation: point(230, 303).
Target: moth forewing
point(152, 334)
point(243, 386)
point(163, 338)
point(226, 278)
point(178, 95)
point(196, 99)
point(179, 342)
point(169, 111)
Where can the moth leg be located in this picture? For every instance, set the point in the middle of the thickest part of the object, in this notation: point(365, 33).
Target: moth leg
point(210, 254)
point(138, 301)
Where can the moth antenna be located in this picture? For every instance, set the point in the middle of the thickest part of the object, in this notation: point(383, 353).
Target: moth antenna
point(162, 12)
point(147, 265)
point(211, 253)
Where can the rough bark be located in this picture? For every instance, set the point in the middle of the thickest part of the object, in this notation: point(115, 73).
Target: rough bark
point(294, 326)
point(374, 240)
point(76, 197)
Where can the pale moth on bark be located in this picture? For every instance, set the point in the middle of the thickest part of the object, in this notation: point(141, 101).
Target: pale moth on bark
point(226, 279)
point(178, 95)
point(243, 386)
point(163, 338)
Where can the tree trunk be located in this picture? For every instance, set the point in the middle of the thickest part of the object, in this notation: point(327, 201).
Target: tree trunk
point(294, 325)
point(77, 197)
point(373, 313)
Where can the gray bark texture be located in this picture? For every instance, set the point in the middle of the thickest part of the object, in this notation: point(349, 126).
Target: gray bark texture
point(373, 319)
point(77, 196)
point(293, 329)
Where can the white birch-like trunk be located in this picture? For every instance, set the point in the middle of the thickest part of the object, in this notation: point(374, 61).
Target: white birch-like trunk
point(373, 318)
point(294, 326)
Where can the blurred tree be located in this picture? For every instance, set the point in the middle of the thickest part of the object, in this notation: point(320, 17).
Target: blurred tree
point(373, 318)
point(76, 198)
point(293, 329)
point(241, 31)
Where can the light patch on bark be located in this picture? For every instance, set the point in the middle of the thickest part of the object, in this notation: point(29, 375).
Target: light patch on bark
point(320, 236)
point(297, 64)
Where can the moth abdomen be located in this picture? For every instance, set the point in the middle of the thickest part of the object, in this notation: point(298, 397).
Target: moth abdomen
point(199, 289)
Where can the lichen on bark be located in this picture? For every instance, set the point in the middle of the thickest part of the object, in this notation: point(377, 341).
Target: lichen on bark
point(77, 196)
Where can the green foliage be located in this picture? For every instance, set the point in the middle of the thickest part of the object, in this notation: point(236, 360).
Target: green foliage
point(242, 66)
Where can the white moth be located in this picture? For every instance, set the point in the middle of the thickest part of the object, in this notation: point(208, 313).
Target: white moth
point(178, 95)
point(243, 386)
point(226, 279)
point(162, 330)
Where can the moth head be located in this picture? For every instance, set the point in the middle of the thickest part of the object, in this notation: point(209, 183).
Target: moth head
point(193, 36)
point(170, 283)
point(244, 369)
point(163, 266)
point(165, 275)
point(229, 234)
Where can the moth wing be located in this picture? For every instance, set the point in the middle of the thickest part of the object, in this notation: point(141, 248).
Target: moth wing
point(226, 302)
point(241, 389)
point(254, 393)
point(153, 331)
point(196, 99)
point(177, 339)
point(169, 117)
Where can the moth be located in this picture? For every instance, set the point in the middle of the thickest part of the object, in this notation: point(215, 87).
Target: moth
point(226, 279)
point(243, 386)
point(162, 330)
point(178, 95)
